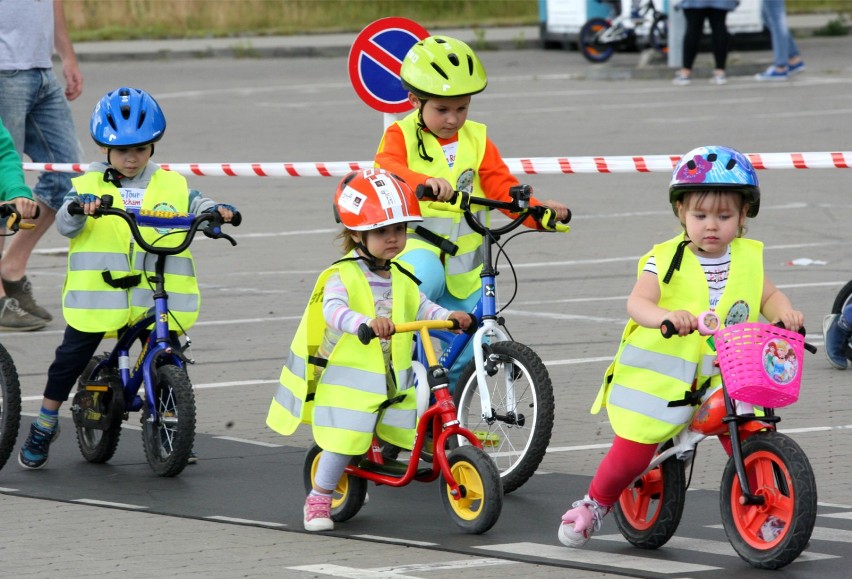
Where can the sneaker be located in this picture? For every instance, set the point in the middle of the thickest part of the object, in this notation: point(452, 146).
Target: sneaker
point(14, 319)
point(770, 529)
point(681, 80)
point(22, 290)
point(318, 513)
point(772, 74)
point(793, 69)
point(836, 341)
point(33, 454)
point(581, 522)
point(193, 458)
point(719, 79)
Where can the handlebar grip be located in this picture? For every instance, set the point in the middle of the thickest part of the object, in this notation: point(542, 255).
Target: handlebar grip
point(237, 219)
point(424, 191)
point(667, 329)
point(365, 334)
point(75, 208)
point(474, 325)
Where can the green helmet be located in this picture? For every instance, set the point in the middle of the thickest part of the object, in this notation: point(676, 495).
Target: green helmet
point(440, 66)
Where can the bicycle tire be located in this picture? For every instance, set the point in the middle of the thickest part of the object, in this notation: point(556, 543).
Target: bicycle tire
point(349, 495)
point(10, 405)
point(98, 446)
point(590, 47)
point(779, 471)
point(168, 442)
point(658, 35)
point(517, 441)
point(649, 511)
point(844, 297)
point(482, 496)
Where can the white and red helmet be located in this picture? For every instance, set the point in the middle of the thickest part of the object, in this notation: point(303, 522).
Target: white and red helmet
point(374, 198)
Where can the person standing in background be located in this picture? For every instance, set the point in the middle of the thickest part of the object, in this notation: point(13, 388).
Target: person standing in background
point(34, 108)
point(785, 54)
point(696, 12)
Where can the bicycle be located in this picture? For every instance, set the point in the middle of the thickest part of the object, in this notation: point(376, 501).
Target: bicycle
point(472, 492)
point(504, 394)
point(600, 37)
point(108, 389)
point(10, 387)
point(768, 494)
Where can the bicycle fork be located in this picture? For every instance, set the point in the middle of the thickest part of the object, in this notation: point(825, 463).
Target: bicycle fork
point(490, 330)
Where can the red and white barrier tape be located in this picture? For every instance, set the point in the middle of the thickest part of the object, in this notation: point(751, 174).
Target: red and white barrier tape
point(527, 166)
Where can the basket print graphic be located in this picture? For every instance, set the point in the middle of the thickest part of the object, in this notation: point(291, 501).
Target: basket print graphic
point(780, 361)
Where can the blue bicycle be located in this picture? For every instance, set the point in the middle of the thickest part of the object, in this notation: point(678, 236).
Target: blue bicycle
point(108, 389)
point(504, 395)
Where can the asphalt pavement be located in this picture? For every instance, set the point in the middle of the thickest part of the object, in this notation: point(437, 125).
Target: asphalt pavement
point(67, 539)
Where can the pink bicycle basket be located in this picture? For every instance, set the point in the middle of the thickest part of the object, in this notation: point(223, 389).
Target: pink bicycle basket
point(761, 364)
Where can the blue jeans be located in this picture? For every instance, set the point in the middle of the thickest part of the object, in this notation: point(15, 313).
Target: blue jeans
point(784, 48)
point(430, 271)
point(34, 109)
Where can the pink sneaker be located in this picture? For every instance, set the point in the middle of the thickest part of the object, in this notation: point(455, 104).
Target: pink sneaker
point(318, 513)
point(581, 522)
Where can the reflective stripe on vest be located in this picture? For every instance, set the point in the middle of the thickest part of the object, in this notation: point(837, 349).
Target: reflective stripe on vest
point(649, 370)
point(90, 304)
point(462, 269)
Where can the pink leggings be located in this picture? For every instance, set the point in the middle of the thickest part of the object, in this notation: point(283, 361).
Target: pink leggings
point(625, 461)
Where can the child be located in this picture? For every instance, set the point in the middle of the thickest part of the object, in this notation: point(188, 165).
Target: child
point(102, 291)
point(708, 267)
point(331, 379)
point(13, 188)
point(437, 146)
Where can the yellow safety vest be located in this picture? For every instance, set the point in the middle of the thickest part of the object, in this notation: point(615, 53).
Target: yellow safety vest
point(166, 192)
point(650, 371)
point(89, 304)
point(462, 269)
point(343, 402)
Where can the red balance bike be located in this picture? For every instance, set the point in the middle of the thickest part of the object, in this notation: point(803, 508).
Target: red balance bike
point(768, 493)
point(471, 491)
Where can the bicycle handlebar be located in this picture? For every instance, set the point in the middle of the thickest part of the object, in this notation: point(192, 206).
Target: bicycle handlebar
point(708, 324)
point(146, 218)
point(521, 194)
point(9, 212)
point(366, 333)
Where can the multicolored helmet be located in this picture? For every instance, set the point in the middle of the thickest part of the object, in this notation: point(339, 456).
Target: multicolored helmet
point(441, 66)
point(374, 198)
point(717, 169)
point(127, 117)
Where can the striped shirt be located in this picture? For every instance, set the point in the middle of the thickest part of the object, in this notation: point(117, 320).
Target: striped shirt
point(340, 318)
point(715, 270)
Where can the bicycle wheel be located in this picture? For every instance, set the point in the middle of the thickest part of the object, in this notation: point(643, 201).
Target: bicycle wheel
point(658, 35)
point(649, 512)
point(10, 405)
point(844, 297)
point(590, 45)
point(516, 435)
point(482, 496)
point(168, 441)
point(349, 495)
point(771, 535)
point(98, 445)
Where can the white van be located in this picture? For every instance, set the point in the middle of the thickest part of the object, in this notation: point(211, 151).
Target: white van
point(561, 20)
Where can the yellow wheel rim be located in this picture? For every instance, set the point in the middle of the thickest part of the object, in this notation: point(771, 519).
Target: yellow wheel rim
point(470, 506)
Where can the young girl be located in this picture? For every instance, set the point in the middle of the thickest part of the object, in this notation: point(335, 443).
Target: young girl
point(333, 381)
point(709, 267)
point(436, 145)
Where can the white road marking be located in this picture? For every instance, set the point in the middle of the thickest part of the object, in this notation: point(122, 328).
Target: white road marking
point(243, 521)
point(98, 503)
point(722, 548)
point(398, 571)
point(396, 540)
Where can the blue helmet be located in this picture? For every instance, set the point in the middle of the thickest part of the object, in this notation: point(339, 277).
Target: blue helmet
point(127, 117)
point(719, 169)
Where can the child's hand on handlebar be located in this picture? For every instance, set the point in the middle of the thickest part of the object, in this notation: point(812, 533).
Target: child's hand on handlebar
point(560, 209)
point(88, 202)
point(792, 320)
point(684, 322)
point(382, 327)
point(462, 318)
point(226, 211)
point(441, 188)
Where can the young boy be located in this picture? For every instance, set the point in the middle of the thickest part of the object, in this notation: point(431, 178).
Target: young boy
point(438, 147)
point(125, 124)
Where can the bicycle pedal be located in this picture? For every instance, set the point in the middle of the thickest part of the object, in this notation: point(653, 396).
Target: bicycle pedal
point(487, 438)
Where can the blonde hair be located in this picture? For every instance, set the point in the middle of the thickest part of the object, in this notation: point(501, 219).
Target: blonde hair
point(347, 243)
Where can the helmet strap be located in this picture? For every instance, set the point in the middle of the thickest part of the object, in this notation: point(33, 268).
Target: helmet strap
point(370, 258)
point(421, 146)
